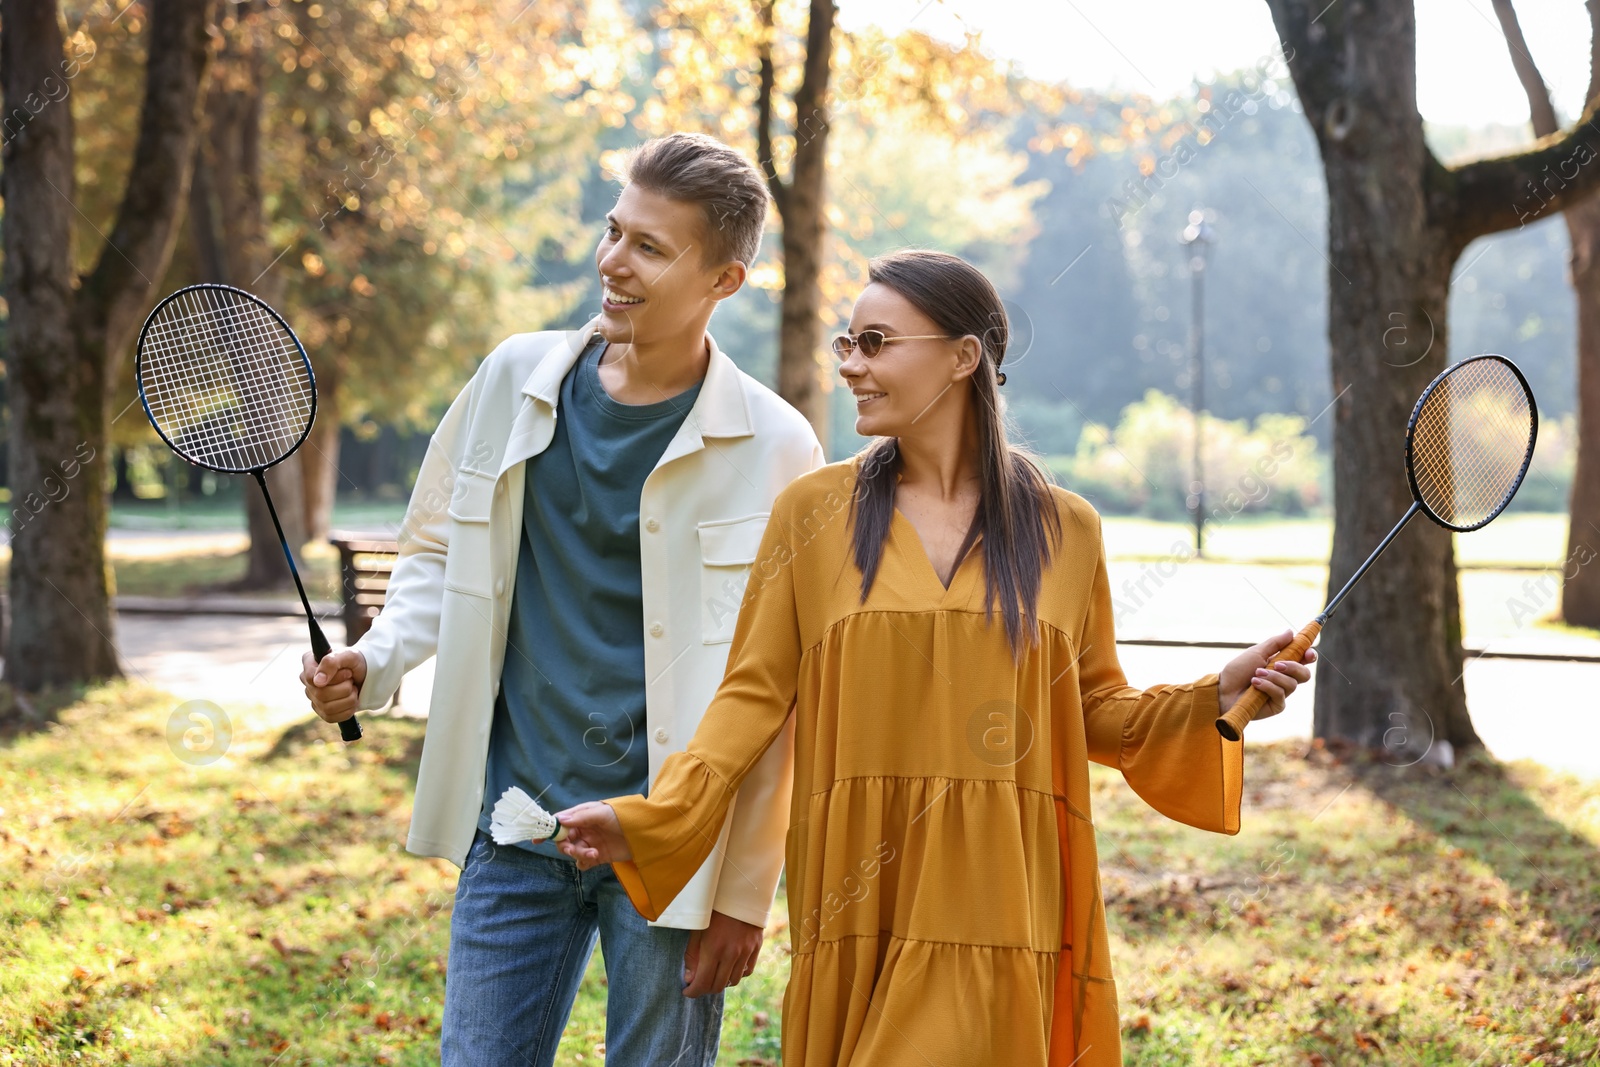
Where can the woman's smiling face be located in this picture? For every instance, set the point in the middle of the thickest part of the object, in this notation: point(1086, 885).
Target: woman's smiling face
point(906, 379)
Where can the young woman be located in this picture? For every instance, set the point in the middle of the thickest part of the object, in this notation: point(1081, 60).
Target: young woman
point(943, 886)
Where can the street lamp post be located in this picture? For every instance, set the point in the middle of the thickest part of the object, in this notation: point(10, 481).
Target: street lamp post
point(1197, 237)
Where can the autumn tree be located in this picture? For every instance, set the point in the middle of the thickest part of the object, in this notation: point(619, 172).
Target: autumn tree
point(1580, 591)
point(383, 173)
point(422, 152)
point(1398, 219)
point(69, 333)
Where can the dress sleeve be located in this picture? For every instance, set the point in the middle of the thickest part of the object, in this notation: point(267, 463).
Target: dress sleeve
point(673, 829)
point(1163, 739)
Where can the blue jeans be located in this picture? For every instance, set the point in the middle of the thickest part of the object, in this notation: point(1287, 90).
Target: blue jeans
point(521, 934)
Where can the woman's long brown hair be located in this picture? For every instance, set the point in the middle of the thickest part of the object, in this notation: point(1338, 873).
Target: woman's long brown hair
point(1015, 502)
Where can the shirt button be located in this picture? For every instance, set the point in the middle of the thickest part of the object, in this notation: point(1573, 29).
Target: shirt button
point(499, 586)
point(655, 629)
point(661, 736)
point(652, 525)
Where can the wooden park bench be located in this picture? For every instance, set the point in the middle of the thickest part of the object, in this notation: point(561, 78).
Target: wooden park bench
point(364, 567)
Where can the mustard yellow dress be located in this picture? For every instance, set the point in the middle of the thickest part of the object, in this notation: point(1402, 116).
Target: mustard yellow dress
point(943, 887)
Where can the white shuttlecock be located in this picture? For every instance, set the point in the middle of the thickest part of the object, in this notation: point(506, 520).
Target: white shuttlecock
point(518, 817)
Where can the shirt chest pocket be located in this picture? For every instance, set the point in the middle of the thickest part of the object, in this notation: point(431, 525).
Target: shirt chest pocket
point(727, 549)
point(467, 563)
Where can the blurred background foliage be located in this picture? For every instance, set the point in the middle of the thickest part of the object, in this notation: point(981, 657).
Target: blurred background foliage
point(434, 178)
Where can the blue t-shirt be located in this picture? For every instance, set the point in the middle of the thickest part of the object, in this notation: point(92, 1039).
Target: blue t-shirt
point(569, 721)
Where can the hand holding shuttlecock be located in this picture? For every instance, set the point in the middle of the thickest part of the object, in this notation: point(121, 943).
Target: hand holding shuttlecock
point(518, 817)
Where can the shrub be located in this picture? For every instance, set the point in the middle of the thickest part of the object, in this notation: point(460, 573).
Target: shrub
point(1143, 466)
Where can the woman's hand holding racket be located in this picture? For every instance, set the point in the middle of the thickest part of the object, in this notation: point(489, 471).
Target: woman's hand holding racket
point(594, 835)
point(1468, 445)
point(1258, 668)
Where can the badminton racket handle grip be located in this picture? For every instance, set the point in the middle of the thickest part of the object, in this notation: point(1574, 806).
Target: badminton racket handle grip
point(1249, 705)
point(349, 729)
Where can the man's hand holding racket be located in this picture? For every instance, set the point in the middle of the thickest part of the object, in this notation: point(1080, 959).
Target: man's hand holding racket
point(334, 685)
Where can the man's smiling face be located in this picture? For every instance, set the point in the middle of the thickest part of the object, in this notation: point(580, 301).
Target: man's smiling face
point(650, 261)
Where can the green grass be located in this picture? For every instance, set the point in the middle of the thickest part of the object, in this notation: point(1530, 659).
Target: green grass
point(195, 573)
point(1520, 538)
point(207, 572)
point(1365, 914)
point(154, 911)
point(260, 909)
point(228, 514)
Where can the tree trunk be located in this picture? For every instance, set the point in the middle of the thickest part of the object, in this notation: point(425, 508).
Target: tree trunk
point(67, 341)
point(1580, 592)
point(800, 205)
point(214, 222)
point(229, 229)
point(122, 483)
point(319, 458)
point(1391, 662)
point(1391, 657)
point(799, 331)
point(58, 583)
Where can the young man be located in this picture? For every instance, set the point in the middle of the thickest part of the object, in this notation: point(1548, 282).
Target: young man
point(575, 551)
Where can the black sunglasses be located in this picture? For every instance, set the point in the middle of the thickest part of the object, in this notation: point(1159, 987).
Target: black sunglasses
point(871, 342)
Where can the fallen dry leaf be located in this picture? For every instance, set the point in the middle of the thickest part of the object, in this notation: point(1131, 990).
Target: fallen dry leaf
point(286, 950)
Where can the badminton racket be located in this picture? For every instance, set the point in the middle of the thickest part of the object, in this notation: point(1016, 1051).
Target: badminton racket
point(227, 385)
point(1468, 446)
